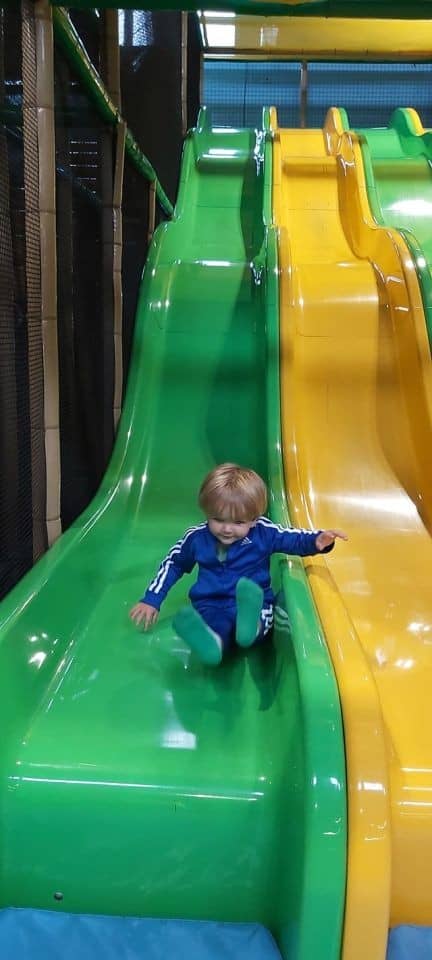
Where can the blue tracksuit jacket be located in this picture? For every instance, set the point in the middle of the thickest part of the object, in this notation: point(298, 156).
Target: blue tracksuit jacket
point(217, 579)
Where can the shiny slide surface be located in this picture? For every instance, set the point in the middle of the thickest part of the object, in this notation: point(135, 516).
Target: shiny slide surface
point(356, 393)
point(133, 780)
point(397, 163)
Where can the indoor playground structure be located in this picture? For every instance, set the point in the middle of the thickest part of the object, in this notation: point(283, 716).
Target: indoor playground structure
point(279, 806)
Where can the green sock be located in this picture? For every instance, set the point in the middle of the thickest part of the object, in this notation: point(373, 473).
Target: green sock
point(195, 632)
point(249, 605)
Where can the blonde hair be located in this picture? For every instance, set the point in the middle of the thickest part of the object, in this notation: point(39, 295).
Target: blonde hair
point(234, 492)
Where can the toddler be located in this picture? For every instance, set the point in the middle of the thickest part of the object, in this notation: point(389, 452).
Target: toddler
point(232, 598)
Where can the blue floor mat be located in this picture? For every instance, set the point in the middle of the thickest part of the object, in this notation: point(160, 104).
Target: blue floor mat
point(46, 935)
point(410, 943)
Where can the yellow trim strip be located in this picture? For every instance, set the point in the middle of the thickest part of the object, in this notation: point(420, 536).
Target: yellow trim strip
point(318, 38)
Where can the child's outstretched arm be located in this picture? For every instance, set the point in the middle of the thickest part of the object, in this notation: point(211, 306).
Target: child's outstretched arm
point(179, 560)
point(326, 538)
point(298, 542)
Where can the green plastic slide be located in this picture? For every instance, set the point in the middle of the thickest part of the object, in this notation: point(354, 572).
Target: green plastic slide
point(134, 780)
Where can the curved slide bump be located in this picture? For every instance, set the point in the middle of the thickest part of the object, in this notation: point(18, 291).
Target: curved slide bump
point(132, 779)
point(356, 415)
point(397, 164)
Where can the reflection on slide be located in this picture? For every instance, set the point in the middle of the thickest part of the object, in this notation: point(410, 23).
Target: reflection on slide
point(357, 439)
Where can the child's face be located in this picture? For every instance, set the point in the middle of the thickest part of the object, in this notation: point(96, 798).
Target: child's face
point(229, 531)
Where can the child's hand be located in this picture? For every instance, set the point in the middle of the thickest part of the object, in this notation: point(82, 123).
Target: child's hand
point(327, 537)
point(144, 613)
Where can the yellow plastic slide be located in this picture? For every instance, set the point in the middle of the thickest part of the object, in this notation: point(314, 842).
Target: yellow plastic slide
point(357, 448)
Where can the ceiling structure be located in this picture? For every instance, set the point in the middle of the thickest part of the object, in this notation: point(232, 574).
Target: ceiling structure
point(374, 9)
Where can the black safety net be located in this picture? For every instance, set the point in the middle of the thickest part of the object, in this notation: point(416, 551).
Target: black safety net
point(150, 58)
point(150, 52)
point(22, 459)
point(193, 69)
point(135, 209)
point(84, 160)
point(89, 26)
point(151, 82)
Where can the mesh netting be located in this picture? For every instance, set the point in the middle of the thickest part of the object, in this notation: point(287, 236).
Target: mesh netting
point(236, 92)
point(89, 26)
point(85, 291)
point(369, 91)
point(141, 38)
point(193, 69)
point(33, 281)
point(22, 475)
point(135, 226)
point(150, 49)
point(150, 61)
